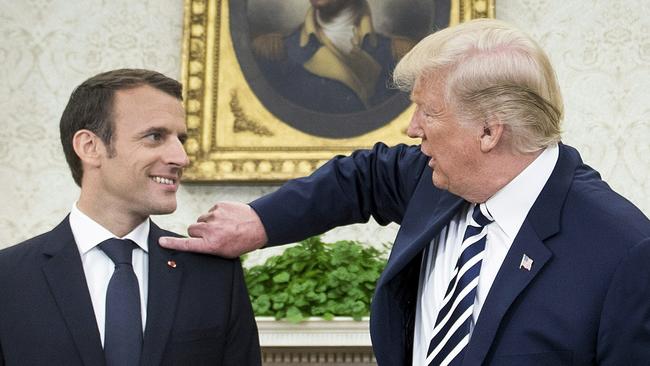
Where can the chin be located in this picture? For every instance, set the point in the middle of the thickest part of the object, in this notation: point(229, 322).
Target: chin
point(164, 209)
point(438, 184)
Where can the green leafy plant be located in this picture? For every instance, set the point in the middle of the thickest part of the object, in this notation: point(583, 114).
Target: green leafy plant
point(316, 279)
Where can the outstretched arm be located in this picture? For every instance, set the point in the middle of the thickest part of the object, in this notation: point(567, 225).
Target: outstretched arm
point(346, 190)
point(377, 183)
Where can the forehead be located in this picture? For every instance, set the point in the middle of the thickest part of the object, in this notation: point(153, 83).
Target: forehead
point(144, 106)
point(428, 87)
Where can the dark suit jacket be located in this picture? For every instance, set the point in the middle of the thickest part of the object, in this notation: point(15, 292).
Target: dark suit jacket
point(198, 313)
point(585, 301)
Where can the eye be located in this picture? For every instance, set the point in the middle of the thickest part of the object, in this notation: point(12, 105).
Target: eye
point(154, 136)
point(429, 115)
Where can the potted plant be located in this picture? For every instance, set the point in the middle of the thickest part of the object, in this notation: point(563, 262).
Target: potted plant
point(314, 290)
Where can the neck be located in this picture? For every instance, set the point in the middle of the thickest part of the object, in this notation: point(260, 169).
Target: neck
point(327, 14)
point(112, 216)
point(501, 170)
point(345, 16)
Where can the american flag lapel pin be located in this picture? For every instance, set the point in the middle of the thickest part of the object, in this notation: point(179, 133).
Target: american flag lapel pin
point(526, 263)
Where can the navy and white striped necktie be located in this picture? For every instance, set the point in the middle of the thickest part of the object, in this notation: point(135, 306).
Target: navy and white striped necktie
point(452, 329)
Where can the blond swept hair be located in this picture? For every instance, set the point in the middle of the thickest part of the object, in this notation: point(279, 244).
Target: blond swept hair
point(492, 70)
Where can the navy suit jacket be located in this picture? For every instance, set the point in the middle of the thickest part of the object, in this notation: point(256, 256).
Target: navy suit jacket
point(585, 301)
point(198, 313)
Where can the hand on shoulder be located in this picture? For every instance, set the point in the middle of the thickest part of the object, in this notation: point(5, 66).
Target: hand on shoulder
point(228, 229)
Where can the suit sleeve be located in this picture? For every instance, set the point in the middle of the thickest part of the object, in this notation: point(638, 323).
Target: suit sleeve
point(242, 341)
point(374, 183)
point(2, 357)
point(624, 335)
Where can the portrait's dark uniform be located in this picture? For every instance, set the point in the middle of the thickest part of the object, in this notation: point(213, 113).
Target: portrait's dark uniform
point(309, 71)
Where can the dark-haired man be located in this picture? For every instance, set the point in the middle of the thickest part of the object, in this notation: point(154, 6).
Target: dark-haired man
point(97, 289)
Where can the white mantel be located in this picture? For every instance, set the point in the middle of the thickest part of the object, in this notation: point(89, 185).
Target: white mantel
point(313, 332)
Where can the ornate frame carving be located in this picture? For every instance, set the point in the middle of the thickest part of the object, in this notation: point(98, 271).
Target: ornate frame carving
point(232, 136)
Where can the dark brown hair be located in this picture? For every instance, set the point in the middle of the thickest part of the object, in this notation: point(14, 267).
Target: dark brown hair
point(91, 107)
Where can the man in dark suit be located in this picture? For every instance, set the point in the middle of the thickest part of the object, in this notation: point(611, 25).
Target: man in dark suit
point(67, 296)
point(519, 254)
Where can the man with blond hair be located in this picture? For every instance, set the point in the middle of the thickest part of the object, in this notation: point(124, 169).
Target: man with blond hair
point(519, 254)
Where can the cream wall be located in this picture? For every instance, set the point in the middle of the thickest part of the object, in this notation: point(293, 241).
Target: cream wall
point(601, 51)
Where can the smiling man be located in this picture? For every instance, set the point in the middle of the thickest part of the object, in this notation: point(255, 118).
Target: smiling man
point(98, 289)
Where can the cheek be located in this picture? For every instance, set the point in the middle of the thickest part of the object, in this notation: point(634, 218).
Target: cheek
point(429, 132)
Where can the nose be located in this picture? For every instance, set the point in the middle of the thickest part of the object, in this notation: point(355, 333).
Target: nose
point(414, 130)
point(176, 154)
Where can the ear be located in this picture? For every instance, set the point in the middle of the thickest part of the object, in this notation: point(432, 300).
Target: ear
point(88, 147)
point(492, 133)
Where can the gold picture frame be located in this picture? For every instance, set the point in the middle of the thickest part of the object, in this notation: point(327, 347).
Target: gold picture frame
point(233, 136)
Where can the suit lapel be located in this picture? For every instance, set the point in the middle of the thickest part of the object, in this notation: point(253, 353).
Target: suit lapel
point(542, 222)
point(65, 276)
point(431, 212)
point(510, 281)
point(164, 289)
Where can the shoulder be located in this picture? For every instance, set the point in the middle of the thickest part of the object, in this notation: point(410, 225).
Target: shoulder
point(158, 232)
point(22, 257)
point(606, 213)
point(209, 271)
point(24, 248)
point(270, 47)
point(591, 206)
point(400, 46)
point(197, 261)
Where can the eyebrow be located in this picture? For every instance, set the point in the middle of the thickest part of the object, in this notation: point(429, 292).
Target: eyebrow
point(163, 131)
point(150, 130)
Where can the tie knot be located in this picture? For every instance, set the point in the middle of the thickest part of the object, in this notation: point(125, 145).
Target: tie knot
point(118, 250)
point(481, 215)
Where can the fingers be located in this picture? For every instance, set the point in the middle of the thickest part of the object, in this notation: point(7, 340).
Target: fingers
point(183, 244)
point(212, 214)
point(198, 230)
point(228, 229)
point(204, 217)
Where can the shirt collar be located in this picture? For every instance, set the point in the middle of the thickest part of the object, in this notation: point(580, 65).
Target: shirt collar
point(510, 205)
point(364, 27)
point(88, 233)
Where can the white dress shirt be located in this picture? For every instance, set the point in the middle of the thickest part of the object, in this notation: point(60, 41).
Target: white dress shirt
point(99, 268)
point(509, 208)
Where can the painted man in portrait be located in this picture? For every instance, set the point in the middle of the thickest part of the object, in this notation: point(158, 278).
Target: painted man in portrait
point(334, 62)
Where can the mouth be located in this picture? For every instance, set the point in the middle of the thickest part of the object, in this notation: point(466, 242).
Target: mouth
point(164, 180)
point(431, 163)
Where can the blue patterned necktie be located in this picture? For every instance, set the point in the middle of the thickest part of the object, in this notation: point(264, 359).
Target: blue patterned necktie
point(123, 326)
point(451, 331)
